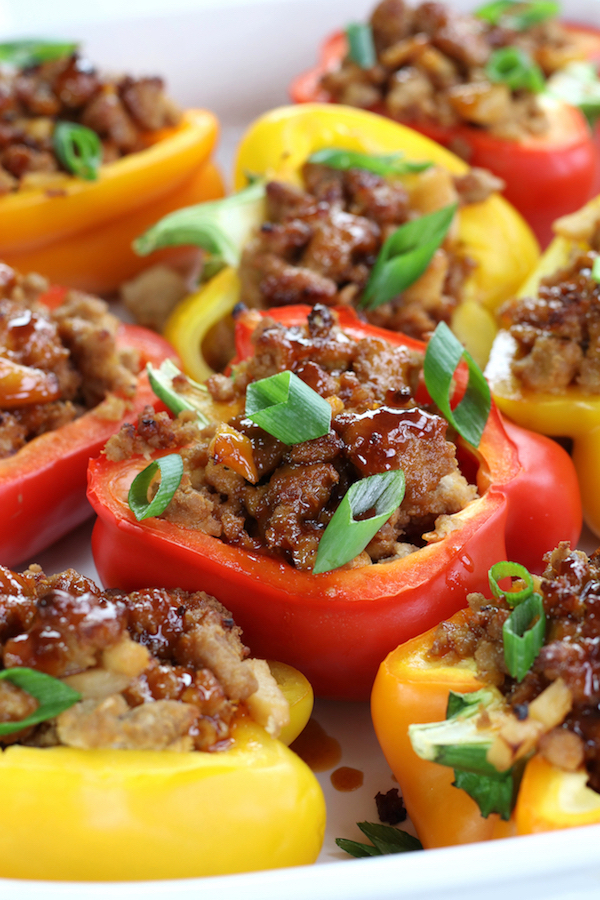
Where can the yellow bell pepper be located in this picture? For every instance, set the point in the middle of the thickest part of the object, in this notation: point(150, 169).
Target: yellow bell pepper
point(411, 688)
point(79, 233)
point(276, 146)
point(572, 413)
point(101, 815)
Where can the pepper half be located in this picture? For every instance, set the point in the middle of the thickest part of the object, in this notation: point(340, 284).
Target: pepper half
point(338, 626)
point(277, 145)
point(79, 234)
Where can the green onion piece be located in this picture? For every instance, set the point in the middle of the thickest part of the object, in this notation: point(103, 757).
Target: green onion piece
point(288, 408)
point(493, 12)
point(578, 85)
point(492, 794)
point(171, 470)
point(507, 569)
point(517, 16)
point(345, 537)
point(385, 839)
point(220, 227)
point(513, 67)
point(361, 47)
point(522, 640)
point(52, 695)
point(596, 269)
point(161, 382)
point(380, 164)
point(443, 354)
point(78, 149)
point(405, 255)
point(30, 52)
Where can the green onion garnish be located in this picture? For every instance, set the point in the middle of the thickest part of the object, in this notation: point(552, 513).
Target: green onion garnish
point(78, 149)
point(221, 227)
point(380, 164)
point(491, 793)
point(596, 269)
point(493, 12)
point(522, 640)
point(444, 352)
point(361, 47)
point(578, 85)
point(507, 569)
point(517, 16)
point(345, 537)
point(171, 470)
point(161, 382)
point(513, 67)
point(288, 408)
point(30, 52)
point(405, 255)
point(385, 839)
point(52, 695)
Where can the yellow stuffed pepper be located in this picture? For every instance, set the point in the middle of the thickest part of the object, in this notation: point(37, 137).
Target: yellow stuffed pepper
point(491, 736)
point(391, 174)
point(544, 368)
point(88, 161)
point(140, 740)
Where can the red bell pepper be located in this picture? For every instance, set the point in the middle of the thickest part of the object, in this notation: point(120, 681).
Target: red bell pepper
point(42, 486)
point(338, 626)
point(546, 176)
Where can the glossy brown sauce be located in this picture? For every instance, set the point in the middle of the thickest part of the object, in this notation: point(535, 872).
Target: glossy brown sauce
point(318, 749)
point(347, 779)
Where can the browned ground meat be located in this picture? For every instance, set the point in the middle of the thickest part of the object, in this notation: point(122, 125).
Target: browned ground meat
point(570, 588)
point(73, 349)
point(156, 669)
point(319, 244)
point(431, 66)
point(120, 110)
point(558, 332)
point(245, 487)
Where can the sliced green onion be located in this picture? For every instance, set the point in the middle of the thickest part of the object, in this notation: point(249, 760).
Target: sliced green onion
point(361, 47)
point(345, 537)
point(513, 67)
point(161, 382)
point(444, 352)
point(493, 12)
point(385, 840)
point(78, 149)
point(221, 227)
point(30, 52)
point(492, 794)
point(522, 639)
point(596, 269)
point(578, 85)
point(517, 16)
point(507, 569)
point(171, 470)
point(288, 408)
point(380, 164)
point(52, 695)
point(405, 255)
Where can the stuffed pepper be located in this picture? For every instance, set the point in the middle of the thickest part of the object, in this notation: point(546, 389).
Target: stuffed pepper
point(69, 377)
point(139, 739)
point(88, 161)
point(323, 495)
point(490, 721)
point(544, 369)
point(482, 85)
point(356, 211)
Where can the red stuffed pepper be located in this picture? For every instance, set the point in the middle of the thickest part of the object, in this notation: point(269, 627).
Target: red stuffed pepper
point(54, 365)
point(339, 624)
point(478, 87)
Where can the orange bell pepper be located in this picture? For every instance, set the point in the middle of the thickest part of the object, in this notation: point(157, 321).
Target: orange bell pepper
point(79, 233)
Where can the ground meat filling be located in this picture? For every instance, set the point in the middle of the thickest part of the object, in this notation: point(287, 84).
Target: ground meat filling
point(157, 669)
point(319, 244)
point(245, 487)
point(431, 68)
point(54, 365)
point(557, 333)
point(570, 588)
point(122, 111)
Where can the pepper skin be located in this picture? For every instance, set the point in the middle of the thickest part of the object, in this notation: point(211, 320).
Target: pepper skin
point(573, 413)
point(124, 815)
point(278, 143)
point(42, 486)
point(80, 233)
point(408, 689)
point(338, 626)
point(546, 176)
